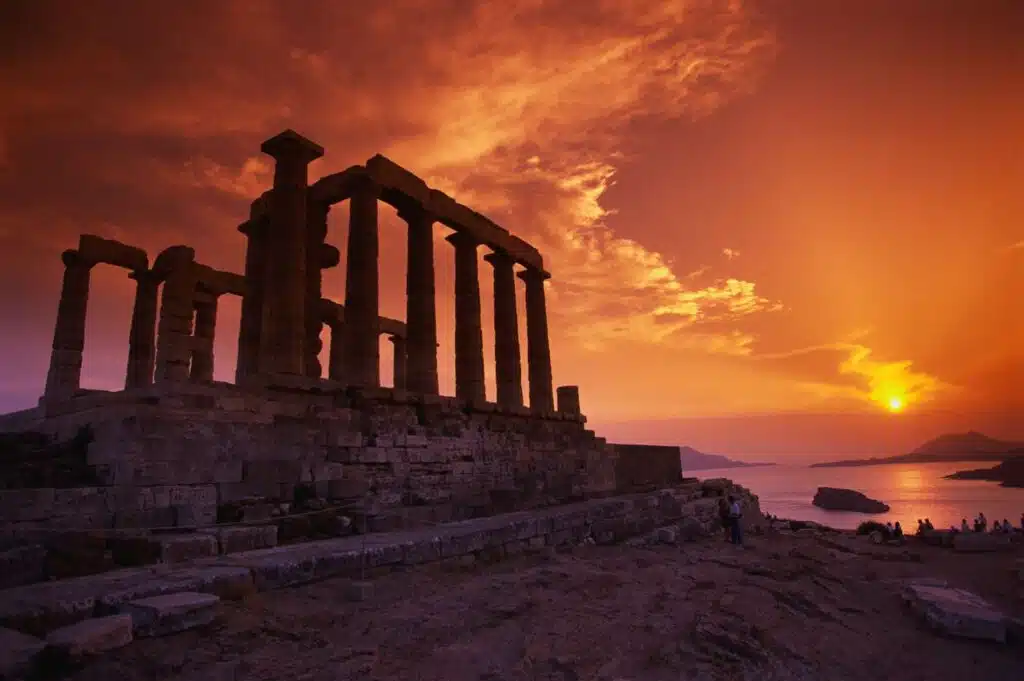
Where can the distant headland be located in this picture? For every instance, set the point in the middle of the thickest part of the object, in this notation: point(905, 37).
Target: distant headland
point(693, 460)
point(970, 446)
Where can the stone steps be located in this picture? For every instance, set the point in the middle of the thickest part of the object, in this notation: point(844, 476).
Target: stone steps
point(39, 608)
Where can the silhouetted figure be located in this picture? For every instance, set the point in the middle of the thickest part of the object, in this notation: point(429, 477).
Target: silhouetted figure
point(725, 517)
point(996, 527)
point(1022, 522)
point(982, 522)
point(735, 514)
point(897, 532)
point(1007, 527)
point(928, 524)
point(920, 526)
point(964, 527)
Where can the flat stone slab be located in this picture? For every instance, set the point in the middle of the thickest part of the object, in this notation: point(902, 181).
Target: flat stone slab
point(956, 612)
point(980, 542)
point(171, 613)
point(92, 636)
point(17, 652)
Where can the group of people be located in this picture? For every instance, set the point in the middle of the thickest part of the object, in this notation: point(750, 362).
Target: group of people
point(981, 525)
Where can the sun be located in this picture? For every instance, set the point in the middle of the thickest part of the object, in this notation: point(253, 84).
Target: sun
point(895, 403)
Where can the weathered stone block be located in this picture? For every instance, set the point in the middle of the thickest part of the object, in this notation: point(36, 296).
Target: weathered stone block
point(237, 539)
point(92, 636)
point(17, 653)
point(20, 505)
point(277, 471)
point(359, 591)
point(177, 548)
point(22, 565)
point(171, 613)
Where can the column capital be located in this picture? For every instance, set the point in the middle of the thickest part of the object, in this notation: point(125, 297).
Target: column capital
point(145, 276)
point(74, 258)
point(533, 274)
point(500, 256)
point(414, 211)
point(462, 239)
point(395, 338)
point(290, 144)
point(330, 256)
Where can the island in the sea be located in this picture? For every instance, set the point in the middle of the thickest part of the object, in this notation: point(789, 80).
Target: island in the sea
point(970, 446)
point(1009, 473)
point(693, 460)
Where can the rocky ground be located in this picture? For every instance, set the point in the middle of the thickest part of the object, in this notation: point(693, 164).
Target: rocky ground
point(807, 605)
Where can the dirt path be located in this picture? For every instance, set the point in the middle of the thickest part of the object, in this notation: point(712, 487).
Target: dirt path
point(785, 608)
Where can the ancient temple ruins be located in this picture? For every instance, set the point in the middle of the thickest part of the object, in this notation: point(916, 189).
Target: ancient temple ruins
point(176, 448)
point(283, 311)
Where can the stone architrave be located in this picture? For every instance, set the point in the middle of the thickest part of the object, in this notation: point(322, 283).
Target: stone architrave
point(400, 362)
point(421, 306)
point(65, 373)
point(177, 309)
point(538, 350)
point(204, 338)
point(469, 341)
point(251, 324)
point(362, 292)
point(142, 343)
point(507, 359)
point(284, 331)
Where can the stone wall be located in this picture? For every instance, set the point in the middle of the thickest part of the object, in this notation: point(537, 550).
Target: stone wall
point(170, 456)
point(641, 466)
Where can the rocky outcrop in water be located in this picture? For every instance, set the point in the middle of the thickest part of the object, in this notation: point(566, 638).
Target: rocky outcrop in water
point(837, 499)
point(1009, 473)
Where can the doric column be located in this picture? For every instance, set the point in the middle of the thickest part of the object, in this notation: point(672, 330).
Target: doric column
point(203, 342)
point(317, 260)
point(251, 325)
point(283, 335)
point(421, 308)
point(142, 341)
point(65, 373)
point(568, 399)
point(507, 360)
point(401, 359)
point(538, 351)
point(336, 359)
point(469, 340)
point(177, 309)
point(362, 294)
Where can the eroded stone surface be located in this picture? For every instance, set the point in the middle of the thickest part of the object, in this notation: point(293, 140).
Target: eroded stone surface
point(17, 651)
point(171, 613)
point(956, 612)
point(92, 636)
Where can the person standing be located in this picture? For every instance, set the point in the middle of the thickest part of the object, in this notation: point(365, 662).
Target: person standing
point(735, 515)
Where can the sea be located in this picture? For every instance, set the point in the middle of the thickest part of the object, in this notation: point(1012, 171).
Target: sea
point(912, 491)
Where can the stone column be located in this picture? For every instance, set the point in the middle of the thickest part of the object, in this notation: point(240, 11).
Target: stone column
point(401, 358)
point(177, 308)
point(336, 361)
point(251, 325)
point(142, 343)
point(568, 399)
point(362, 294)
point(283, 335)
point(421, 307)
point(507, 359)
point(538, 351)
point(203, 342)
point(65, 373)
point(469, 340)
point(319, 256)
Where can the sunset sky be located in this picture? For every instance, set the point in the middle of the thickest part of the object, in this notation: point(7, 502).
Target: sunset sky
point(765, 221)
